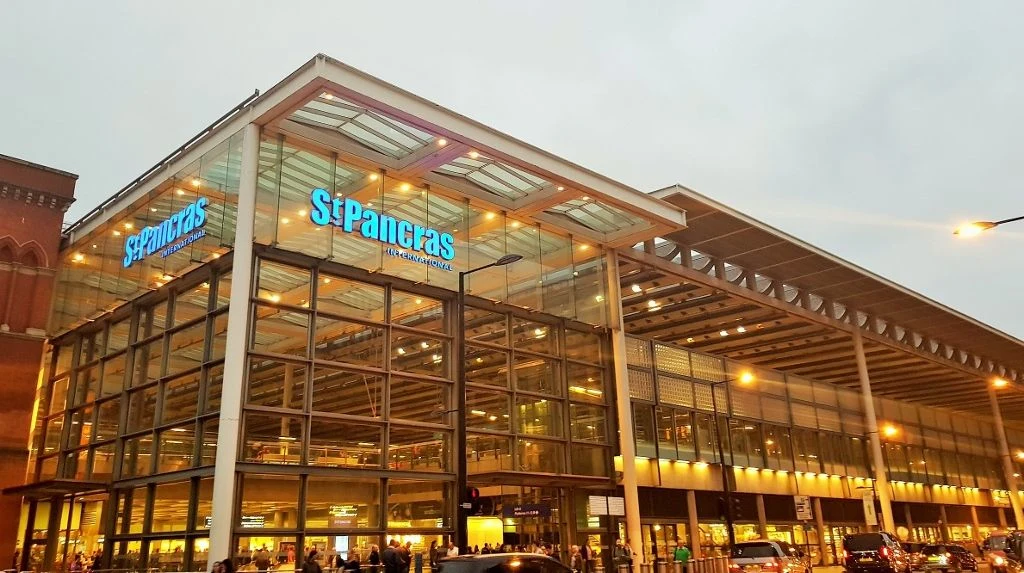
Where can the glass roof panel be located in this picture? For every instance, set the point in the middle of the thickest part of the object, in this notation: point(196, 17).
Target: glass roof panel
point(494, 177)
point(598, 217)
point(369, 128)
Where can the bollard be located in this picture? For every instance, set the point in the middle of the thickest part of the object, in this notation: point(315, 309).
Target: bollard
point(623, 568)
point(418, 561)
point(697, 565)
point(677, 567)
point(661, 566)
point(645, 567)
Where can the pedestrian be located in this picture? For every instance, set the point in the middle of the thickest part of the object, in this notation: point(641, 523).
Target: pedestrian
point(432, 555)
point(682, 553)
point(352, 565)
point(588, 556)
point(374, 559)
point(405, 552)
point(453, 551)
point(576, 559)
point(390, 558)
point(623, 553)
point(311, 566)
point(261, 559)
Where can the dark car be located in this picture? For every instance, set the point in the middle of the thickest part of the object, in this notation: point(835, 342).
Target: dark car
point(947, 558)
point(874, 553)
point(502, 563)
point(913, 551)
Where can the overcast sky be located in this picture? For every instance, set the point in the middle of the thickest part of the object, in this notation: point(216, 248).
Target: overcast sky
point(866, 128)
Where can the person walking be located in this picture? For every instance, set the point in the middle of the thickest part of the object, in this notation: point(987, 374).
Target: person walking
point(623, 553)
point(682, 553)
point(352, 565)
point(588, 556)
point(390, 558)
point(374, 559)
point(261, 559)
point(311, 565)
point(432, 555)
point(405, 552)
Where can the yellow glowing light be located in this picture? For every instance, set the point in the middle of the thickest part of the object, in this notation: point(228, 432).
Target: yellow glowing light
point(490, 216)
point(195, 182)
point(285, 220)
point(405, 187)
point(79, 257)
point(585, 198)
point(424, 345)
point(636, 288)
point(701, 465)
point(473, 155)
point(889, 430)
point(741, 329)
point(515, 224)
point(999, 383)
point(274, 297)
point(723, 333)
point(974, 229)
point(584, 247)
point(442, 142)
point(401, 350)
point(327, 96)
point(1020, 455)
point(181, 191)
point(302, 212)
point(746, 377)
point(128, 225)
point(327, 280)
point(560, 188)
point(374, 176)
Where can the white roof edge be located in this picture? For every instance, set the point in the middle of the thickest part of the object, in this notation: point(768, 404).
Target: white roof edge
point(678, 189)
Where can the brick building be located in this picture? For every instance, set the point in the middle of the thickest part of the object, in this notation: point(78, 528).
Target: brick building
point(33, 199)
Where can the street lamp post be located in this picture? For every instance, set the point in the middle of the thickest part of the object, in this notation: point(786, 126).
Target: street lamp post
point(978, 227)
point(461, 466)
point(745, 378)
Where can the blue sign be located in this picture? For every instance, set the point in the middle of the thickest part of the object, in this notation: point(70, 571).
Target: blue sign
point(161, 238)
point(416, 243)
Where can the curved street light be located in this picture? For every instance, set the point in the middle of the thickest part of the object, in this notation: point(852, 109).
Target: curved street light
point(978, 227)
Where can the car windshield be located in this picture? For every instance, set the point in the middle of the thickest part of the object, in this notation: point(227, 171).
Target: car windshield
point(997, 542)
point(754, 550)
point(934, 550)
point(866, 542)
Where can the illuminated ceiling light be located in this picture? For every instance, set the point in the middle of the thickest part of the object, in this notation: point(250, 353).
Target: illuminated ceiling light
point(442, 142)
point(889, 430)
point(741, 329)
point(636, 288)
point(490, 216)
point(128, 225)
point(405, 187)
point(369, 204)
point(701, 465)
point(158, 284)
point(206, 285)
point(652, 303)
point(181, 191)
point(419, 301)
point(302, 212)
point(401, 350)
point(479, 360)
point(769, 442)
point(436, 358)
point(492, 418)
point(274, 297)
point(327, 280)
point(584, 247)
point(560, 188)
point(285, 220)
point(1000, 383)
point(374, 176)
point(599, 298)
point(152, 209)
point(585, 198)
point(515, 224)
point(478, 412)
point(746, 377)
point(196, 182)
point(424, 344)
point(689, 339)
point(723, 333)
point(327, 96)
point(473, 155)
point(78, 257)
point(167, 278)
point(1020, 454)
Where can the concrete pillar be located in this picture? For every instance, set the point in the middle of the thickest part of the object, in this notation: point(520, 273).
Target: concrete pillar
point(1004, 453)
point(286, 398)
point(692, 523)
point(762, 518)
point(229, 429)
point(881, 480)
point(1002, 518)
point(819, 523)
point(911, 535)
point(944, 524)
point(976, 525)
point(624, 414)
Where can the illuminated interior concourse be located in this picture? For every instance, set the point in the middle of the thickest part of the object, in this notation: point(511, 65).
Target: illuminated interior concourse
point(285, 373)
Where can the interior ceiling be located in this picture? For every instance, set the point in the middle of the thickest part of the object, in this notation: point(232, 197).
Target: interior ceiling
point(694, 315)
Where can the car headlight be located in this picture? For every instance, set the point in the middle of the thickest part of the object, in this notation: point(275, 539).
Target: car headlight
point(999, 561)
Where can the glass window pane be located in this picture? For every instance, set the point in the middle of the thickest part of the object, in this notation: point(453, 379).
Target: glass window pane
point(487, 366)
point(117, 336)
point(349, 342)
point(586, 383)
point(269, 501)
point(279, 331)
point(208, 449)
point(534, 336)
point(587, 423)
point(176, 448)
point(686, 444)
point(180, 398)
point(590, 460)
point(416, 311)
point(540, 456)
point(86, 385)
point(345, 392)
point(583, 346)
point(418, 503)
point(170, 512)
point(283, 284)
point(138, 455)
point(342, 503)
point(204, 503)
point(337, 443)
point(59, 396)
point(538, 375)
point(102, 463)
point(488, 453)
point(214, 387)
point(707, 438)
point(418, 400)
point(192, 303)
point(346, 298)
point(414, 449)
point(538, 416)
point(487, 410)
point(112, 380)
point(141, 409)
point(419, 354)
point(219, 337)
point(665, 428)
point(108, 419)
point(643, 431)
point(223, 290)
point(272, 439)
point(276, 384)
point(148, 362)
point(486, 326)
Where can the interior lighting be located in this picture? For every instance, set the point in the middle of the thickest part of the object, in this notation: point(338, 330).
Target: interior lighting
point(599, 298)
point(274, 297)
point(746, 377)
point(490, 216)
point(492, 418)
point(206, 285)
point(1000, 382)
point(701, 465)
point(78, 257)
point(689, 339)
point(478, 412)
point(181, 192)
point(196, 182)
point(652, 303)
point(95, 246)
point(302, 212)
point(167, 278)
point(327, 280)
point(515, 224)
point(442, 142)
point(1020, 454)
point(561, 188)
point(473, 155)
point(424, 344)
point(374, 176)
point(401, 350)
point(636, 288)
point(889, 430)
point(585, 198)
point(584, 247)
point(724, 333)
point(152, 209)
point(741, 329)
point(405, 187)
point(327, 96)
point(128, 225)
point(419, 301)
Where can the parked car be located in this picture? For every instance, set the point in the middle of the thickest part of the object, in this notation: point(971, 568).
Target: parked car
point(874, 553)
point(947, 558)
point(765, 556)
point(913, 551)
point(1001, 551)
point(502, 563)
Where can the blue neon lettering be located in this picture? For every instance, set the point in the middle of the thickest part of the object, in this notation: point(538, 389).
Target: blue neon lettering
point(156, 238)
point(320, 214)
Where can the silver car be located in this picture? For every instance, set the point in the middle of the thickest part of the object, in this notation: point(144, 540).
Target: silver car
point(765, 556)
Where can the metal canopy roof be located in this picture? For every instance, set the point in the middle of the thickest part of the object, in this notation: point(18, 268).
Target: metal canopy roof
point(742, 241)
